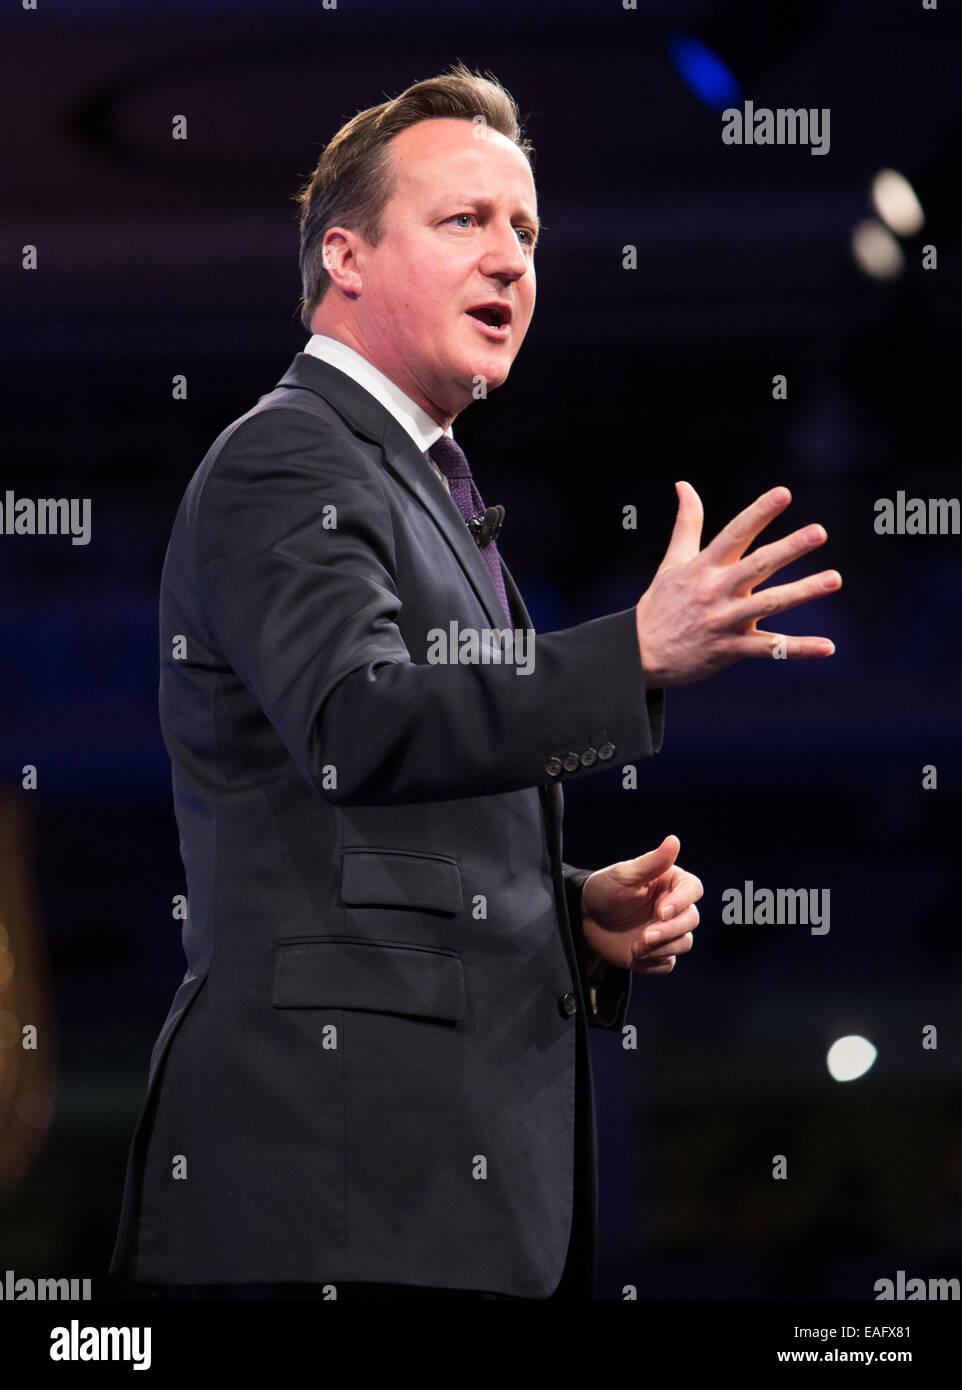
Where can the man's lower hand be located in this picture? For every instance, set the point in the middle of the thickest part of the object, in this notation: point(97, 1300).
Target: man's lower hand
point(640, 913)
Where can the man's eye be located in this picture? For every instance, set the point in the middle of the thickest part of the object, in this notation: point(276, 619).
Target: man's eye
point(469, 217)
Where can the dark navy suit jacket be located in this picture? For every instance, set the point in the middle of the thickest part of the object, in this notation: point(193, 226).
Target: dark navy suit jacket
point(369, 1070)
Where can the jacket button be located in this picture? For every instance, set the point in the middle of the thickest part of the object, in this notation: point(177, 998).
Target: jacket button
point(606, 751)
point(572, 762)
point(588, 757)
point(553, 766)
point(568, 1005)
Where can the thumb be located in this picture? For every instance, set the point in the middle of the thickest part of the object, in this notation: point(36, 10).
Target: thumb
point(656, 861)
point(685, 540)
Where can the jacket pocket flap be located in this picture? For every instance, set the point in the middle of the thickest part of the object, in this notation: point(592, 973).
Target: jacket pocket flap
point(401, 878)
point(384, 977)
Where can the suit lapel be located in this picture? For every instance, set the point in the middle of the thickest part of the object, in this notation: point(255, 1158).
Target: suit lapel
point(519, 614)
point(368, 417)
point(405, 459)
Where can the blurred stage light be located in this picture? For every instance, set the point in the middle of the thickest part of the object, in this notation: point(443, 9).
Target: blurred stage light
point(896, 203)
point(850, 1057)
point(876, 251)
point(703, 72)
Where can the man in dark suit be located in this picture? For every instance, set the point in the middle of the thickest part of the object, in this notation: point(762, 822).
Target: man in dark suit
point(374, 1077)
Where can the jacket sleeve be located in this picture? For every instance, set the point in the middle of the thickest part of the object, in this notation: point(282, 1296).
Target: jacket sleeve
point(607, 987)
point(308, 618)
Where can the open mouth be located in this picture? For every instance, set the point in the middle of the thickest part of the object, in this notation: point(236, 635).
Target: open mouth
point(493, 319)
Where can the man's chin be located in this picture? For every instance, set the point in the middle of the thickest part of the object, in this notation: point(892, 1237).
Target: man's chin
point(487, 372)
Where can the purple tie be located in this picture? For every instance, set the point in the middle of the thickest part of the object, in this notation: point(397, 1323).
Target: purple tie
point(450, 458)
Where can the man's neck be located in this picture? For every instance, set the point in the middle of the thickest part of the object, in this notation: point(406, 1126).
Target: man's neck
point(342, 333)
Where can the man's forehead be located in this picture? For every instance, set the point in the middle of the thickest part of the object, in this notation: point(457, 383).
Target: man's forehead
point(442, 146)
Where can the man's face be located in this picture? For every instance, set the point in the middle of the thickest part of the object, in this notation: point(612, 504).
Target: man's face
point(458, 233)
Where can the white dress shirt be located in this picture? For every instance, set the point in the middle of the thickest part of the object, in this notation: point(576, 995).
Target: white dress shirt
point(418, 423)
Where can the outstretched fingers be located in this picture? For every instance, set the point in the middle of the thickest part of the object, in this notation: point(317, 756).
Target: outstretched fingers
point(778, 598)
point(762, 563)
point(771, 644)
point(734, 539)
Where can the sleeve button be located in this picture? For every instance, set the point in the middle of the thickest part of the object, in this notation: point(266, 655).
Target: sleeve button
point(553, 766)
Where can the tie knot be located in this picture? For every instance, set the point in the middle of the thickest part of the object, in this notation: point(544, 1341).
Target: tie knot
point(450, 458)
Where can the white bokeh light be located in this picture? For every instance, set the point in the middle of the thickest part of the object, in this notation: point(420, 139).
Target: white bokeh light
point(850, 1057)
point(876, 251)
point(896, 203)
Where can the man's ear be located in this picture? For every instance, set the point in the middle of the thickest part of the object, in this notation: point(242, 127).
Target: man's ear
point(338, 253)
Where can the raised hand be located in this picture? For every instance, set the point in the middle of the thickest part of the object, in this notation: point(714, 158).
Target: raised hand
point(698, 615)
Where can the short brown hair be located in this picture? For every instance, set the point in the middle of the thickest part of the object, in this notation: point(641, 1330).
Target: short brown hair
point(355, 175)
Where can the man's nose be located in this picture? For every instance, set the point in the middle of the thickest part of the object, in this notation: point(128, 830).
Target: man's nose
point(504, 257)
